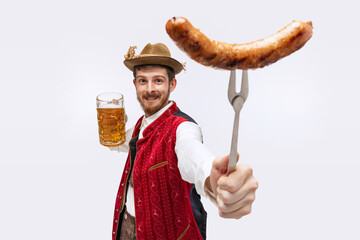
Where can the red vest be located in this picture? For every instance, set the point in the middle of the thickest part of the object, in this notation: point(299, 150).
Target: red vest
point(162, 204)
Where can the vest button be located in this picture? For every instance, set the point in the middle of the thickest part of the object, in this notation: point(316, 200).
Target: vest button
point(120, 197)
point(113, 233)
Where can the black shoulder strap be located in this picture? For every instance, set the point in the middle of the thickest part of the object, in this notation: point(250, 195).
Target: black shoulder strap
point(179, 113)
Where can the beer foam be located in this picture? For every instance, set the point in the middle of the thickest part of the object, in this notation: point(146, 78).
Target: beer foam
point(111, 105)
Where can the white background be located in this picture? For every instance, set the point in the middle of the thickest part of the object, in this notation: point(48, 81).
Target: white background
point(299, 128)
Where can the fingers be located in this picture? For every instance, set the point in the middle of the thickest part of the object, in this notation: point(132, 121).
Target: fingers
point(230, 209)
point(237, 214)
point(236, 179)
point(231, 197)
point(236, 192)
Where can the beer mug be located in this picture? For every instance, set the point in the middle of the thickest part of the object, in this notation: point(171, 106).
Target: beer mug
point(111, 119)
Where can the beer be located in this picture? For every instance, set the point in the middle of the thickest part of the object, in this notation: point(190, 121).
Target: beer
point(111, 126)
point(111, 119)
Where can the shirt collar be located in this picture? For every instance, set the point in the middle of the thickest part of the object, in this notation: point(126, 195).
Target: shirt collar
point(147, 121)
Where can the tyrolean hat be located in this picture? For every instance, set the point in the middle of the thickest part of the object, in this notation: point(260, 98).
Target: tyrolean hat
point(158, 54)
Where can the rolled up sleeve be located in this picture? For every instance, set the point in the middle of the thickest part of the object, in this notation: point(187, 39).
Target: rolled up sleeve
point(194, 159)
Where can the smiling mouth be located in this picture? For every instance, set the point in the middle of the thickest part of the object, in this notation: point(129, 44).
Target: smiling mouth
point(152, 98)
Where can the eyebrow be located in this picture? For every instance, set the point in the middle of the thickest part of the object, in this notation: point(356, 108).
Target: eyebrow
point(156, 76)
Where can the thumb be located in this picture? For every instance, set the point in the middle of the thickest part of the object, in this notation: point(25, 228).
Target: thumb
point(219, 168)
point(220, 164)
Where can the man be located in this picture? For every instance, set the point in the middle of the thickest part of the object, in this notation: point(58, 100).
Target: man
point(168, 165)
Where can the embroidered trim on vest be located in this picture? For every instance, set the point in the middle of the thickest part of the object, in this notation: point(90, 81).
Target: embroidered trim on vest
point(158, 165)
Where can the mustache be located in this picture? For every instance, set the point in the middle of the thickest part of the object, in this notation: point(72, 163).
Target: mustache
point(154, 95)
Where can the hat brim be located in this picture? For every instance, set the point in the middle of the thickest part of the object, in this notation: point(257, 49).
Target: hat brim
point(158, 60)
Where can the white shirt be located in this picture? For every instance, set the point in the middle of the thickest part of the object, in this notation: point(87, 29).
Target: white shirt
point(194, 159)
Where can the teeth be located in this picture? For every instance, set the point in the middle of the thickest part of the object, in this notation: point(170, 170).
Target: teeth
point(153, 98)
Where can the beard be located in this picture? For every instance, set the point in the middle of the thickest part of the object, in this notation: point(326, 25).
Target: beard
point(152, 107)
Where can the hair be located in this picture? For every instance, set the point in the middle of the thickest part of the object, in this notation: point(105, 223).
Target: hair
point(169, 70)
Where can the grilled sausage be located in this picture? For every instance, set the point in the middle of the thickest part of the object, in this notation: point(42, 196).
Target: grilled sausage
point(251, 55)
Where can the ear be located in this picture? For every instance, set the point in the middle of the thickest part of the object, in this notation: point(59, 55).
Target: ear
point(173, 84)
point(134, 82)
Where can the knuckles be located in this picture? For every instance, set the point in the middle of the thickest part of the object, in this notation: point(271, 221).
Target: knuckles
point(250, 199)
point(245, 210)
point(253, 185)
point(231, 186)
point(221, 206)
point(225, 197)
point(245, 169)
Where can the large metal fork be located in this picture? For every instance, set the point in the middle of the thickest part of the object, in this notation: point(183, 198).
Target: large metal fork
point(237, 100)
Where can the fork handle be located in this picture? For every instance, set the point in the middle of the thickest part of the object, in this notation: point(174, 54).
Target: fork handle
point(234, 143)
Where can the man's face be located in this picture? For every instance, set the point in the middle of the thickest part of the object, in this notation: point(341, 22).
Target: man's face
point(153, 88)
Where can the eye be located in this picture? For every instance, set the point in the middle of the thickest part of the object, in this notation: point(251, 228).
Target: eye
point(159, 80)
point(141, 80)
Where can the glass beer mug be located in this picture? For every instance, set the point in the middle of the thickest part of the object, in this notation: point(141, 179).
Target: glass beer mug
point(111, 119)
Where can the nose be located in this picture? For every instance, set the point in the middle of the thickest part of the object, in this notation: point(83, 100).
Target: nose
point(150, 87)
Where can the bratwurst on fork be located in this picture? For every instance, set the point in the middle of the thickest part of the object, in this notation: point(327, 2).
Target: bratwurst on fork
point(251, 55)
